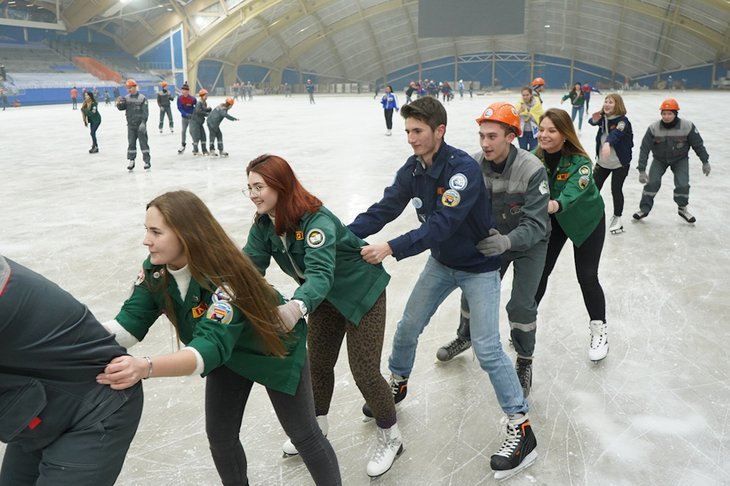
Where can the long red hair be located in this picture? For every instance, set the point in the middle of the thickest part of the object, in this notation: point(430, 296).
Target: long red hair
point(293, 200)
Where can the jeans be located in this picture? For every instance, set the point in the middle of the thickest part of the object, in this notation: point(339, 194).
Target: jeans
point(226, 394)
point(578, 110)
point(527, 141)
point(434, 284)
point(93, 127)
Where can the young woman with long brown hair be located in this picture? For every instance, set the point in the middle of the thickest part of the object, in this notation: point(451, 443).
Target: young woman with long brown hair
point(343, 294)
point(577, 213)
point(228, 317)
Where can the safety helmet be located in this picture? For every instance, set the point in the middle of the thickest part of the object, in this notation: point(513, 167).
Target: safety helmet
point(538, 82)
point(669, 104)
point(503, 113)
point(131, 82)
point(163, 84)
point(203, 92)
point(230, 101)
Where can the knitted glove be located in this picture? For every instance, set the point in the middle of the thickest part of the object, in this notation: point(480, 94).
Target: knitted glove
point(643, 178)
point(289, 314)
point(494, 244)
point(706, 168)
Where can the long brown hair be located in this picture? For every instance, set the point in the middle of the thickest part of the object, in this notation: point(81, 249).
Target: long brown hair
point(213, 258)
point(563, 123)
point(293, 200)
point(619, 106)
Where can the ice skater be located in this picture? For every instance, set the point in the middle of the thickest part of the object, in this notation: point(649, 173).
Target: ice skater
point(389, 103)
point(135, 104)
point(214, 126)
point(446, 188)
point(614, 143)
point(197, 120)
point(91, 116)
point(669, 141)
point(186, 106)
point(164, 97)
point(518, 187)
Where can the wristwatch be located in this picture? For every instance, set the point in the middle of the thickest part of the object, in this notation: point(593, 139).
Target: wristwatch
point(302, 306)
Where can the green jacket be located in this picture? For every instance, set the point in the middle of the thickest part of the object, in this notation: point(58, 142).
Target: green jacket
point(91, 113)
point(581, 204)
point(327, 254)
point(217, 330)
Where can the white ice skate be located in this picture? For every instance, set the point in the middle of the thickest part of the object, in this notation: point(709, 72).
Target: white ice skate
point(389, 446)
point(616, 226)
point(288, 447)
point(599, 341)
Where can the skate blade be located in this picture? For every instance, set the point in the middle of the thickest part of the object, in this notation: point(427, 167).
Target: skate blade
point(617, 231)
point(366, 419)
point(284, 455)
point(397, 455)
point(527, 462)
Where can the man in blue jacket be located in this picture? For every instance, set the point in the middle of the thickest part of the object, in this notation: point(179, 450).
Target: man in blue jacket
point(445, 187)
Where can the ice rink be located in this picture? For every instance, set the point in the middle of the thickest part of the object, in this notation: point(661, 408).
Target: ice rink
point(656, 411)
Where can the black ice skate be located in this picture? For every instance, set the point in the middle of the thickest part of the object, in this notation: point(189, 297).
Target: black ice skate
point(686, 215)
point(453, 349)
point(399, 387)
point(518, 451)
point(147, 165)
point(181, 149)
point(638, 215)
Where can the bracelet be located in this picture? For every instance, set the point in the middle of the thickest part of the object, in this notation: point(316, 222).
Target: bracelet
point(149, 367)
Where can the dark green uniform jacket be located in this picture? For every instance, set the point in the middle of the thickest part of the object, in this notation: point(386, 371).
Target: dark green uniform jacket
point(219, 331)
point(327, 254)
point(581, 204)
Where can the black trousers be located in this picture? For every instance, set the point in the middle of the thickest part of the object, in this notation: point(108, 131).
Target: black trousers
point(388, 118)
point(587, 257)
point(618, 176)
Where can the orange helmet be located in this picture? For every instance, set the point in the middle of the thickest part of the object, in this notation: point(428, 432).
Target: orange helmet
point(230, 101)
point(538, 82)
point(503, 113)
point(131, 82)
point(669, 104)
point(163, 84)
point(203, 92)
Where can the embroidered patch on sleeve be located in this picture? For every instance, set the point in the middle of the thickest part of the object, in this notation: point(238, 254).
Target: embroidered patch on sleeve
point(621, 125)
point(315, 238)
point(584, 170)
point(544, 189)
point(583, 182)
point(221, 312)
point(451, 198)
point(458, 182)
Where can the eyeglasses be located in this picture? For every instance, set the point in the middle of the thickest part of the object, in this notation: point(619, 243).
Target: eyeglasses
point(253, 191)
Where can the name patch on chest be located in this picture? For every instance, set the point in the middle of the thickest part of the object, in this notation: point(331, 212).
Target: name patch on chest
point(563, 176)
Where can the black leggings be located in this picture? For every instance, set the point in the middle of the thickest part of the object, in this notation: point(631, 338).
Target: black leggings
point(600, 174)
point(226, 394)
point(587, 257)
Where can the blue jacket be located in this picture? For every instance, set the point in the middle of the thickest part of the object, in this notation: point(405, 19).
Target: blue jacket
point(452, 204)
point(620, 136)
point(389, 102)
point(186, 105)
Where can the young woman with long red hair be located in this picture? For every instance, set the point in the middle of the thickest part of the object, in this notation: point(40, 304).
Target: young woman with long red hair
point(341, 293)
point(230, 320)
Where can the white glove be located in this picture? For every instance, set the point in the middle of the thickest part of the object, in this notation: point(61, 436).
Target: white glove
point(289, 315)
point(706, 168)
point(494, 244)
point(643, 178)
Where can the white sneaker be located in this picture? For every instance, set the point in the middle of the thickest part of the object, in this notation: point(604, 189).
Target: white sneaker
point(389, 446)
point(289, 448)
point(616, 226)
point(599, 341)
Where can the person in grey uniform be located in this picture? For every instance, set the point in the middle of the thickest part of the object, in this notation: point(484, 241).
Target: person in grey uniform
point(214, 125)
point(518, 185)
point(669, 141)
point(135, 104)
point(164, 97)
point(197, 131)
point(61, 427)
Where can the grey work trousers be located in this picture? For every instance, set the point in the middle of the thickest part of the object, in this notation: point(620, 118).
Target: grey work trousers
point(521, 308)
point(165, 110)
point(134, 133)
point(680, 169)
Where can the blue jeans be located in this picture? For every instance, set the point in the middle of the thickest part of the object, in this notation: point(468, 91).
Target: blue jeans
point(578, 110)
point(434, 284)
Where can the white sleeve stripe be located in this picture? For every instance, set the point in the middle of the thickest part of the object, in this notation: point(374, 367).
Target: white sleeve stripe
point(199, 363)
point(123, 337)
